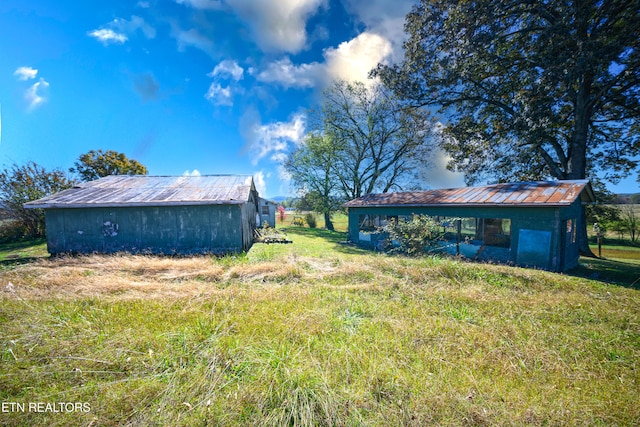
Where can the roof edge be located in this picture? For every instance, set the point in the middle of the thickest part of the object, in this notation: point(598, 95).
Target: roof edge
point(586, 196)
point(462, 205)
point(32, 205)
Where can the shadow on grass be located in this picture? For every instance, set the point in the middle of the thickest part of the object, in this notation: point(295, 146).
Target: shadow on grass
point(24, 244)
point(337, 238)
point(23, 252)
point(609, 271)
point(604, 270)
point(612, 241)
point(20, 261)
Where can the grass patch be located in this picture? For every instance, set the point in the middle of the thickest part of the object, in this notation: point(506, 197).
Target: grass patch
point(19, 252)
point(621, 271)
point(315, 333)
point(619, 252)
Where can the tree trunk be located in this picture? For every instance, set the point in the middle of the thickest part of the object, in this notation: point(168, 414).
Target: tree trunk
point(578, 155)
point(327, 221)
point(583, 238)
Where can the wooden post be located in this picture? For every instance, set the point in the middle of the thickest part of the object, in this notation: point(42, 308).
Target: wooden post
point(599, 233)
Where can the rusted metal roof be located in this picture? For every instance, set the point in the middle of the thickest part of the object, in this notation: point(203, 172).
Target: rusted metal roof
point(125, 190)
point(542, 193)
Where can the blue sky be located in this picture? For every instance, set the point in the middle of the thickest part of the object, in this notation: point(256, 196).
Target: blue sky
point(184, 86)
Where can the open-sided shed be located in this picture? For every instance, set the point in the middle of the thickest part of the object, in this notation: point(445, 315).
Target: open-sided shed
point(526, 223)
point(153, 214)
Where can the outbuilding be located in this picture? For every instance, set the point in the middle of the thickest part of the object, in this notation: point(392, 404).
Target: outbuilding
point(153, 214)
point(267, 212)
point(532, 224)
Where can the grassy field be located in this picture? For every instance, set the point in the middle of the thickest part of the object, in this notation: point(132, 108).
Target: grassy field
point(313, 333)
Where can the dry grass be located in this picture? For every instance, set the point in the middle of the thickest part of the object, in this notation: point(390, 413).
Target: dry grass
point(315, 333)
point(148, 276)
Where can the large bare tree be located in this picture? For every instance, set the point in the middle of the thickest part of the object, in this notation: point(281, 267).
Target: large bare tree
point(380, 140)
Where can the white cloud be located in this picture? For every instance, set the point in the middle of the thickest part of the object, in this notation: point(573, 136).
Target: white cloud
point(278, 25)
point(107, 35)
point(383, 17)
point(195, 172)
point(435, 172)
point(136, 23)
point(228, 68)
point(25, 73)
point(219, 95)
point(34, 95)
point(273, 139)
point(192, 38)
point(202, 4)
point(119, 30)
point(287, 74)
point(436, 175)
point(259, 182)
point(354, 59)
point(279, 157)
point(351, 60)
point(283, 174)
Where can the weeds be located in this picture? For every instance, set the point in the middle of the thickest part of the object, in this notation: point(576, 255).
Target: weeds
point(309, 334)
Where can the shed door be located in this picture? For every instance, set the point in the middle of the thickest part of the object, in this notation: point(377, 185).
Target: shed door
point(534, 248)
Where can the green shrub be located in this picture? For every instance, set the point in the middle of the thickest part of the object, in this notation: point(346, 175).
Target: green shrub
point(419, 235)
point(11, 231)
point(311, 220)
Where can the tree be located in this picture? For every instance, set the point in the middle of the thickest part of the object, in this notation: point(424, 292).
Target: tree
point(22, 184)
point(310, 169)
point(531, 89)
point(380, 142)
point(630, 221)
point(363, 139)
point(96, 164)
point(605, 211)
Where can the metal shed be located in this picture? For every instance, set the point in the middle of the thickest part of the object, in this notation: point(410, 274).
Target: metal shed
point(267, 212)
point(530, 224)
point(153, 214)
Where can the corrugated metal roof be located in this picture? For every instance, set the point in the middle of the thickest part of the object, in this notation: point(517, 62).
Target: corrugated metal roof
point(543, 193)
point(126, 190)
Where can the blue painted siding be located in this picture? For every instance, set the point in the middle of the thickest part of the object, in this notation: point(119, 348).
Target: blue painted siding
point(161, 230)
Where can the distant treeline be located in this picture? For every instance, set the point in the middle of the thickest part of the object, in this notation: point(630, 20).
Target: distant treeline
point(626, 199)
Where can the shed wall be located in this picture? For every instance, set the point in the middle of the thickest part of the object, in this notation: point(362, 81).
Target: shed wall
point(165, 230)
point(267, 211)
point(538, 234)
point(248, 214)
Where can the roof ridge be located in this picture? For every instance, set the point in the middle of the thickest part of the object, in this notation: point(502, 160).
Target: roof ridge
point(526, 193)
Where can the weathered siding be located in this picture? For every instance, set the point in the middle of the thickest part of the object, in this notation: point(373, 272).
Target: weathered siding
point(571, 246)
point(248, 216)
point(538, 234)
point(165, 230)
point(267, 211)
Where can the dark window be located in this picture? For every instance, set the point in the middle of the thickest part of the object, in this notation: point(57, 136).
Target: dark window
point(478, 231)
point(571, 231)
point(496, 232)
point(371, 222)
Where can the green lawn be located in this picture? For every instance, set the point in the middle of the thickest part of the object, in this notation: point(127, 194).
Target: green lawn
point(315, 333)
point(23, 251)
